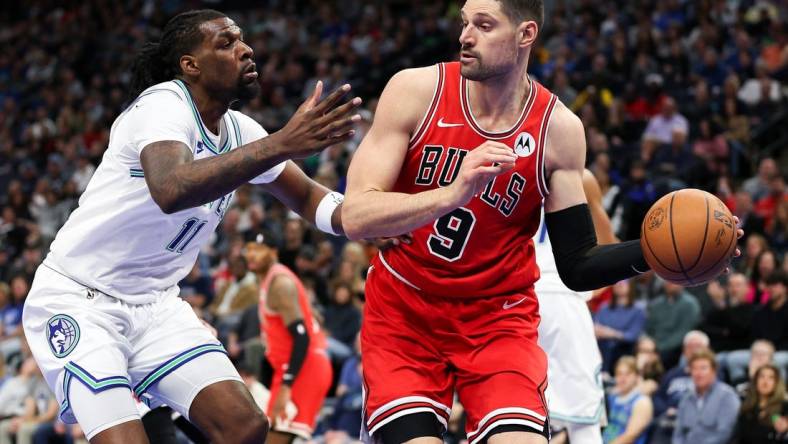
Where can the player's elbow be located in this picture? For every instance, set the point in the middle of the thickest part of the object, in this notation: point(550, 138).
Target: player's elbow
point(166, 203)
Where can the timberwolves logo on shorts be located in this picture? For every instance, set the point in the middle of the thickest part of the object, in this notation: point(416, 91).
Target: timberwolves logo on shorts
point(525, 145)
point(62, 334)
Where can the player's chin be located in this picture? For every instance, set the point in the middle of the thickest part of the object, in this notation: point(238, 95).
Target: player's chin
point(247, 89)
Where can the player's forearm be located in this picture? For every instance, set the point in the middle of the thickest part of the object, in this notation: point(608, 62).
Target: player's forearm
point(371, 214)
point(176, 185)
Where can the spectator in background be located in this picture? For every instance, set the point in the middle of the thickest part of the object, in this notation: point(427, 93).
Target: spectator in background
point(235, 296)
point(638, 194)
point(729, 320)
point(762, 418)
point(777, 230)
point(350, 395)
point(749, 221)
point(649, 366)
point(196, 288)
point(670, 317)
point(668, 128)
point(676, 384)
point(25, 402)
point(708, 413)
point(766, 206)
point(742, 364)
point(618, 324)
point(342, 322)
point(11, 311)
point(758, 185)
point(630, 412)
point(770, 321)
point(754, 246)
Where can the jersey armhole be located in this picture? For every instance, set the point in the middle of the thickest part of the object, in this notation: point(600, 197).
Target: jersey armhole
point(541, 173)
point(421, 128)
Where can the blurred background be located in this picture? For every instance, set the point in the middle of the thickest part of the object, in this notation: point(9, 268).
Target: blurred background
point(672, 93)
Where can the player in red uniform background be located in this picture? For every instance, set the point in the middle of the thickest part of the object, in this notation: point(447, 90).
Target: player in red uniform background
point(295, 347)
point(462, 155)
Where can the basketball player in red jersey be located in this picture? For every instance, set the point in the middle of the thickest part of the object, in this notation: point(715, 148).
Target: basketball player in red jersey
point(462, 155)
point(296, 348)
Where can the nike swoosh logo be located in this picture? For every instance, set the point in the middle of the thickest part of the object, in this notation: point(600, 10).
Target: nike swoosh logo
point(507, 305)
point(442, 124)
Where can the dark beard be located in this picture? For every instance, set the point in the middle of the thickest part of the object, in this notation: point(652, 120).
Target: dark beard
point(247, 91)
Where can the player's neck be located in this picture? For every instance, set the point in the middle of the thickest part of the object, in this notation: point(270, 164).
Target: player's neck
point(500, 100)
point(210, 108)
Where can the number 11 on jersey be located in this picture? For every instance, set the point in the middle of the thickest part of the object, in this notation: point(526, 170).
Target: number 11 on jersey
point(190, 228)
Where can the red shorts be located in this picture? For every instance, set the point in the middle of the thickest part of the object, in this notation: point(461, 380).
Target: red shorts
point(308, 393)
point(417, 350)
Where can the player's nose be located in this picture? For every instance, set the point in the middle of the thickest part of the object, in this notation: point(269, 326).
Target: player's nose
point(466, 37)
point(246, 51)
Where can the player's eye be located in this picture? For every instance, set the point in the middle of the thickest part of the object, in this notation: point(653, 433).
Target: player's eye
point(485, 27)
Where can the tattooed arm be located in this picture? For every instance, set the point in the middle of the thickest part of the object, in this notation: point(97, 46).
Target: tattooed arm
point(177, 181)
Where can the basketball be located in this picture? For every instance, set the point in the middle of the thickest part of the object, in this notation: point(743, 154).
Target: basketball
point(688, 237)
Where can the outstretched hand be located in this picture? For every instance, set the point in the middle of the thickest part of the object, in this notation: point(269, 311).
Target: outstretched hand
point(318, 124)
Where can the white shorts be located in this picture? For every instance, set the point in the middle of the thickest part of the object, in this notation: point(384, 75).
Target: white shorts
point(574, 383)
point(94, 350)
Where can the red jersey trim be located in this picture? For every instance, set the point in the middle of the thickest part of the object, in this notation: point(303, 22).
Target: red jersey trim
point(541, 179)
point(421, 129)
point(466, 110)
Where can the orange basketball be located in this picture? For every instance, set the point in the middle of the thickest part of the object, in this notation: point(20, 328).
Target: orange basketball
point(688, 237)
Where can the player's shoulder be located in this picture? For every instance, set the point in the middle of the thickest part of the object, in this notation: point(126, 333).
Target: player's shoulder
point(419, 81)
point(165, 92)
point(563, 120)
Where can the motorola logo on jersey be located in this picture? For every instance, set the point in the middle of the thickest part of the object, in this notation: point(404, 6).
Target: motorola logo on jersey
point(525, 145)
point(444, 164)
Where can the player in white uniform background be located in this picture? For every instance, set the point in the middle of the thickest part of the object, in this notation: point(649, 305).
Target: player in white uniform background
point(575, 398)
point(103, 317)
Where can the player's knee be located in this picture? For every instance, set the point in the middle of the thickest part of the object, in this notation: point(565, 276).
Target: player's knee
point(244, 428)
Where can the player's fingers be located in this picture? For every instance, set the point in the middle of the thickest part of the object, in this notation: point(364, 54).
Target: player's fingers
point(332, 99)
point(340, 126)
point(497, 158)
point(341, 111)
point(339, 137)
point(494, 144)
point(739, 233)
point(737, 253)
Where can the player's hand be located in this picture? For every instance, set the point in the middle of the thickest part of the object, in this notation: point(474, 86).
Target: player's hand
point(479, 167)
point(318, 124)
point(739, 234)
point(279, 409)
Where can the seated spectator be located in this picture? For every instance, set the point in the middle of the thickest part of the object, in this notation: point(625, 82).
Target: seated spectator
point(762, 418)
point(618, 324)
point(197, 288)
point(666, 128)
point(729, 320)
point(778, 228)
point(649, 366)
point(765, 264)
point(342, 322)
point(236, 295)
point(350, 395)
point(770, 321)
point(708, 413)
point(11, 315)
point(630, 412)
point(757, 186)
point(244, 342)
point(25, 403)
point(674, 386)
point(742, 364)
point(670, 316)
point(753, 247)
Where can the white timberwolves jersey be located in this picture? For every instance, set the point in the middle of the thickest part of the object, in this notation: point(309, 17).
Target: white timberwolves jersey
point(118, 240)
point(549, 281)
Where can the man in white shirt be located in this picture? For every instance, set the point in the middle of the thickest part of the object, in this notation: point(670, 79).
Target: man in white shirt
point(103, 316)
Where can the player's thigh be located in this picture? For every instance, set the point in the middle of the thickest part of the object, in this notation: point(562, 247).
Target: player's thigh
point(77, 339)
point(404, 371)
point(176, 358)
point(502, 377)
point(516, 438)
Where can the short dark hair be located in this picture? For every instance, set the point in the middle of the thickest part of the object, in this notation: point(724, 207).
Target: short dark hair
point(777, 277)
point(704, 355)
point(522, 10)
point(159, 61)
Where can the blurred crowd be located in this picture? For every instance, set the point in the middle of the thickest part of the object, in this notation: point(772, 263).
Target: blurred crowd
point(672, 94)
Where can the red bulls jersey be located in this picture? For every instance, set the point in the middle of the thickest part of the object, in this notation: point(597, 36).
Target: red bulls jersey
point(483, 248)
point(278, 340)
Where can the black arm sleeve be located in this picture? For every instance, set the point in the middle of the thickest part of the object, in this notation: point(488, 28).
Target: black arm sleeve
point(582, 264)
point(297, 330)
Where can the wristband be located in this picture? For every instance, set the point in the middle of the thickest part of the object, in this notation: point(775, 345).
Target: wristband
point(325, 210)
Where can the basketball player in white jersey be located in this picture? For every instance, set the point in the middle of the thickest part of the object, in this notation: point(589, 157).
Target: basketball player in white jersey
point(103, 317)
point(575, 398)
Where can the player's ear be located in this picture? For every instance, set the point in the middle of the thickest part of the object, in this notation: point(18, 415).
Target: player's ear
point(189, 65)
point(526, 33)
